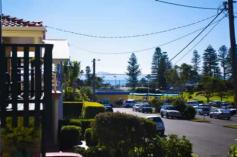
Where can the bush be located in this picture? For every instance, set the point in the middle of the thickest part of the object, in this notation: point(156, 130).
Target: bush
point(72, 109)
point(83, 123)
point(70, 135)
point(156, 103)
point(90, 137)
point(180, 104)
point(178, 147)
point(189, 112)
point(91, 109)
point(233, 151)
point(97, 151)
point(119, 132)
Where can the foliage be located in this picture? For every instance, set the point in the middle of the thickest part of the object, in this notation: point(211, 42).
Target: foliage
point(223, 58)
point(71, 71)
point(233, 151)
point(70, 135)
point(196, 60)
point(72, 109)
point(133, 71)
point(20, 138)
point(88, 76)
point(210, 63)
point(91, 109)
point(187, 73)
point(178, 147)
point(119, 132)
point(163, 147)
point(157, 104)
point(90, 137)
point(95, 151)
point(71, 94)
point(180, 105)
point(189, 112)
point(172, 77)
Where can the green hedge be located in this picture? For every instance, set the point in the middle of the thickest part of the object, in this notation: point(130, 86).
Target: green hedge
point(233, 151)
point(119, 131)
point(95, 151)
point(91, 109)
point(90, 137)
point(72, 109)
point(83, 123)
point(70, 135)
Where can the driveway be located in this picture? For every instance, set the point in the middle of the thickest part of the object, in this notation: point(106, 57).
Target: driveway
point(208, 139)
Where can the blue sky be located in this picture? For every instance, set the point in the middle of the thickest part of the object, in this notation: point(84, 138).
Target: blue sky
point(120, 17)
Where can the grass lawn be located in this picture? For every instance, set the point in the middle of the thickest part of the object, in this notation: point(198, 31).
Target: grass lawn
point(231, 126)
point(195, 96)
point(200, 120)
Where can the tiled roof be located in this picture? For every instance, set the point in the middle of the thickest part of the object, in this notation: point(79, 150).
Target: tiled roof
point(8, 21)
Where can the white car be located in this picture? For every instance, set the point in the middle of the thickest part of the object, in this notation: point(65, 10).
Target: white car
point(62, 154)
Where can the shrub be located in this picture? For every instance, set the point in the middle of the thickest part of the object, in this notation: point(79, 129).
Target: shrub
point(119, 132)
point(91, 109)
point(72, 109)
point(178, 147)
point(189, 112)
point(90, 137)
point(180, 104)
point(233, 151)
point(157, 104)
point(97, 151)
point(83, 123)
point(70, 135)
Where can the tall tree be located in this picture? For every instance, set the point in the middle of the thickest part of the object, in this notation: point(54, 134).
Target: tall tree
point(133, 71)
point(210, 63)
point(172, 77)
point(196, 60)
point(186, 73)
point(71, 72)
point(222, 55)
point(88, 75)
point(155, 66)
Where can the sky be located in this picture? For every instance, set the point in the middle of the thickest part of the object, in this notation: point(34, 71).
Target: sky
point(121, 18)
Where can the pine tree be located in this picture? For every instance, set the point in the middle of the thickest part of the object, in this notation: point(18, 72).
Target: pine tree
point(196, 61)
point(210, 63)
point(133, 71)
point(222, 55)
point(155, 66)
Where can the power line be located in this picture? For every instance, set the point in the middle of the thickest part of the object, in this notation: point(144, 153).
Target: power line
point(129, 36)
point(200, 40)
point(187, 6)
point(145, 49)
point(197, 35)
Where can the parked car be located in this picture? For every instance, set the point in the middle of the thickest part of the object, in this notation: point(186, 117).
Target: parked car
point(145, 108)
point(170, 111)
point(136, 106)
point(220, 113)
point(108, 108)
point(129, 103)
point(203, 110)
point(193, 103)
point(232, 109)
point(160, 127)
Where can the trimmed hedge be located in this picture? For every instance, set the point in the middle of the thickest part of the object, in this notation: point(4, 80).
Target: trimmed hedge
point(233, 151)
point(91, 109)
point(90, 137)
point(97, 151)
point(119, 131)
point(70, 135)
point(72, 109)
point(83, 123)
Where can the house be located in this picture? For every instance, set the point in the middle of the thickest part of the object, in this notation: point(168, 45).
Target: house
point(19, 31)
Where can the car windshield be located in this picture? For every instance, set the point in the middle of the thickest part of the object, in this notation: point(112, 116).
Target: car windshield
point(170, 108)
point(155, 119)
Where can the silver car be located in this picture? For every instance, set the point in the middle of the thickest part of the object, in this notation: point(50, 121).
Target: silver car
point(170, 111)
point(220, 113)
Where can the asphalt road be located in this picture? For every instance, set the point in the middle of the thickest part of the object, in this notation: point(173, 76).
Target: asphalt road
point(208, 139)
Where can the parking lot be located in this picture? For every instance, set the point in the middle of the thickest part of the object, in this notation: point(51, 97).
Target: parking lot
point(208, 139)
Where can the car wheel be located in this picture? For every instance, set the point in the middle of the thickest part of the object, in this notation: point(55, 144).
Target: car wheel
point(228, 118)
point(161, 114)
point(211, 116)
point(167, 115)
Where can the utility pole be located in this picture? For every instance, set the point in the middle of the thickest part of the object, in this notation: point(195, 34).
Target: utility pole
point(233, 46)
point(93, 77)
